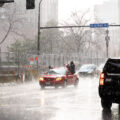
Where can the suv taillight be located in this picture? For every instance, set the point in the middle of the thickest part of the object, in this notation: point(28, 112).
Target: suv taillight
point(101, 81)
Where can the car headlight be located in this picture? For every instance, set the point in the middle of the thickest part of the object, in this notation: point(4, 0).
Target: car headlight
point(58, 79)
point(41, 79)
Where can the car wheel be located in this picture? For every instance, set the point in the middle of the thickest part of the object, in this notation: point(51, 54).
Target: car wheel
point(76, 83)
point(106, 104)
point(65, 84)
point(56, 86)
point(42, 86)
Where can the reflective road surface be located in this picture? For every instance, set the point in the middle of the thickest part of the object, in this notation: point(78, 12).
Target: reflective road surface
point(28, 102)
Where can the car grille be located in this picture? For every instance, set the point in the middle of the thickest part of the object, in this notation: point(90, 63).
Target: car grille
point(49, 79)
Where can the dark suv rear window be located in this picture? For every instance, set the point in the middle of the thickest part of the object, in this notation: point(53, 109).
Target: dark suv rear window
point(112, 66)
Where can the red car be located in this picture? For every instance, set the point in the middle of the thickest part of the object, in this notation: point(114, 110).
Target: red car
point(58, 77)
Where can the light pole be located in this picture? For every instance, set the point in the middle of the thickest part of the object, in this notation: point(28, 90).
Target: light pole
point(38, 47)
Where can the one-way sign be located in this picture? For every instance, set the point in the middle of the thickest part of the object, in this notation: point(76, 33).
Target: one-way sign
point(99, 25)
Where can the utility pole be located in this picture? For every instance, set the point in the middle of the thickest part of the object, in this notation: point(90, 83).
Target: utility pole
point(107, 39)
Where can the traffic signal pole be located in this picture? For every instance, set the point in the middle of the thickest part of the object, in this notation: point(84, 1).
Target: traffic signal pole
point(38, 45)
point(73, 26)
point(2, 2)
point(107, 38)
point(6, 1)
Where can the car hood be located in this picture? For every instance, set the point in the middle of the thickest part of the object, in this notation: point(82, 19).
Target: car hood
point(52, 76)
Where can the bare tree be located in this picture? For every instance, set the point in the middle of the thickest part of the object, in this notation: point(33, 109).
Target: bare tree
point(51, 39)
point(75, 37)
point(12, 23)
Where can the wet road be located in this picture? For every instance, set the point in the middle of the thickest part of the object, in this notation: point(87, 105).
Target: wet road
point(28, 102)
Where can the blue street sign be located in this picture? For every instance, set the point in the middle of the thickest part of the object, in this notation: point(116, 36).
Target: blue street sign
point(99, 25)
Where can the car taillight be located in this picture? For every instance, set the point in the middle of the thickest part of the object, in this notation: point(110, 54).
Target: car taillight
point(101, 81)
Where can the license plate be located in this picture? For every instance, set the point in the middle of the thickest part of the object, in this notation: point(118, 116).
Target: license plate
point(108, 80)
point(47, 83)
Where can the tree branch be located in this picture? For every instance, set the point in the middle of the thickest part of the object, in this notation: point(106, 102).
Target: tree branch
point(6, 34)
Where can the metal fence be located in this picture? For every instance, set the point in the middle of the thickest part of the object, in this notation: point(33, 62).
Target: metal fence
point(24, 61)
point(56, 60)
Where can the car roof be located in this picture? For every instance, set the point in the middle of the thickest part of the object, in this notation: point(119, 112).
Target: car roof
point(114, 58)
point(88, 65)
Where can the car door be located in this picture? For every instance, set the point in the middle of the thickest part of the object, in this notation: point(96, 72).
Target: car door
point(70, 78)
point(74, 77)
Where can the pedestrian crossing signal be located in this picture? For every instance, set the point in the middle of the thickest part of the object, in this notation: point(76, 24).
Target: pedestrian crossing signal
point(30, 4)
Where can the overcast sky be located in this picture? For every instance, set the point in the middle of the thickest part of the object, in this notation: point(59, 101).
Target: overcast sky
point(67, 6)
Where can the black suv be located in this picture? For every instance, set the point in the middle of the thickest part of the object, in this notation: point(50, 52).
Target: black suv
point(109, 83)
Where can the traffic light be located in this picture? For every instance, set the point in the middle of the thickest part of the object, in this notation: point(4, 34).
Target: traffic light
point(1, 4)
point(30, 4)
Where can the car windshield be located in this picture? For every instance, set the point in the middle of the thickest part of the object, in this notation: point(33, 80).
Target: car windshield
point(113, 66)
point(58, 71)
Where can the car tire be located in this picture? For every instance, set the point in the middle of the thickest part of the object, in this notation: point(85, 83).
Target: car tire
point(56, 86)
point(76, 83)
point(106, 104)
point(65, 84)
point(42, 86)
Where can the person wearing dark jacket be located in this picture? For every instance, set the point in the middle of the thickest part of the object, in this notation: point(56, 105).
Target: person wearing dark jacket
point(72, 67)
point(50, 67)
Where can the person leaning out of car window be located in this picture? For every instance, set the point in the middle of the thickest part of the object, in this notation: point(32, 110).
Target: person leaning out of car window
point(68, 69)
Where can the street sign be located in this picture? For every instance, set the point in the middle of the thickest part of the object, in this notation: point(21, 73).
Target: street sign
point(36, 58)
point(99, 25)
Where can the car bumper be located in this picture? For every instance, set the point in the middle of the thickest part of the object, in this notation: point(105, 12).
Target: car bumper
point(109, 93)
point(46, 83)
